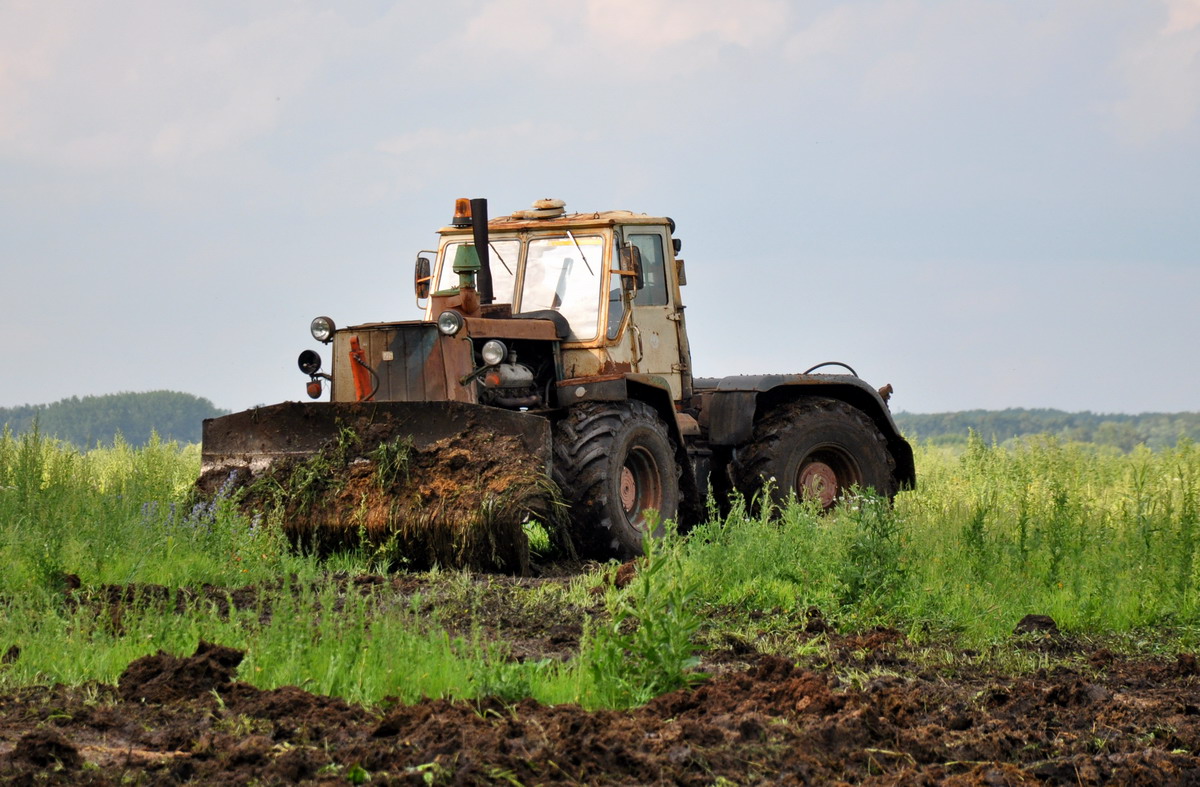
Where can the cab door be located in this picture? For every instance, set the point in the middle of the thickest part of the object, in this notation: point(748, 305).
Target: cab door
point(657, 319)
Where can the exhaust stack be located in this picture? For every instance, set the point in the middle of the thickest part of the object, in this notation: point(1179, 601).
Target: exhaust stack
point(479, 228)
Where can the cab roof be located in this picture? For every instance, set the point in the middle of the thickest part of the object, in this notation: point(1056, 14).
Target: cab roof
point(607, 218)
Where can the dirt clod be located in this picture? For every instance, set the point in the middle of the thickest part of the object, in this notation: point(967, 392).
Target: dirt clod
point(165, 678)
point(815, 622)
point(46, 748)
point(1036, 624)
point(625, 574)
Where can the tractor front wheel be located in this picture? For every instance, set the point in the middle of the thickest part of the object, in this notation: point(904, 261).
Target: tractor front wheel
point(614, 462)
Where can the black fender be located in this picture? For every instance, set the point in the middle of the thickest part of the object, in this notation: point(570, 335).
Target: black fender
point(732, 405)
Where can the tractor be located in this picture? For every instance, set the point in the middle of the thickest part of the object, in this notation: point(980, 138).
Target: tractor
point(567, 332)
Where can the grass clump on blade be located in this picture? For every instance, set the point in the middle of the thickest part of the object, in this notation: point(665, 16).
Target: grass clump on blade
point(391, 461)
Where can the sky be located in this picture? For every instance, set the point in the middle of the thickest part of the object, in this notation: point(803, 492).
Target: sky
point(986, 204)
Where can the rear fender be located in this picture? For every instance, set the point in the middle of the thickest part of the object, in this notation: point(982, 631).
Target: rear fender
point(732, 409)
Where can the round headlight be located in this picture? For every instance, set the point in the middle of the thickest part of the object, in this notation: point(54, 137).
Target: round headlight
point(322, 329)
point(450, 322)
point(494, 352)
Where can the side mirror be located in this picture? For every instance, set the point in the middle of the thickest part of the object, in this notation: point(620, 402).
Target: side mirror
point(631, 267)
point(422, 277)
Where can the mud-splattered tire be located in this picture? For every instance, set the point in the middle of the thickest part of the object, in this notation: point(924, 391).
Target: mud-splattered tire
point(613, 461)
point(816, 448)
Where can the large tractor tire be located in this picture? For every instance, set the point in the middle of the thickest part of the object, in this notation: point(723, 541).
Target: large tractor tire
point(613, 462)
point(815, 448)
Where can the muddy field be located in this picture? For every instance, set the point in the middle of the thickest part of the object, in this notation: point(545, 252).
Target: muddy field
point(862, 708)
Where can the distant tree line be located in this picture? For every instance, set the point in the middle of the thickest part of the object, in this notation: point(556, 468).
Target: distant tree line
point(93, 420)
point(1156, 430)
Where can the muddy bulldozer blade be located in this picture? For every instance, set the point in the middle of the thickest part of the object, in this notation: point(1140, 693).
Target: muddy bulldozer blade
point(255, 439)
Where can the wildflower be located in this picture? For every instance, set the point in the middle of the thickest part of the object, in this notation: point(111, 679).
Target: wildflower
point(227, 486)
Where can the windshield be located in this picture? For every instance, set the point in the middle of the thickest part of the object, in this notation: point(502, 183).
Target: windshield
point(563, 274)
point(503, 262)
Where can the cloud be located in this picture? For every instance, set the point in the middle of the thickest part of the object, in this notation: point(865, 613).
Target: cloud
point(655, 25)
point(844, 30)
point(533, 42)
point(1161, 75)
point(890, 51)
point(110, 86)
point(249, 72)
point(32, 42)
point(1182, 16)
point(521, 26)
point(425, 154)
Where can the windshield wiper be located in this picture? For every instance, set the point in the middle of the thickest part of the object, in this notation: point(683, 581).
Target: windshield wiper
point(581, 254)
point(502, 262)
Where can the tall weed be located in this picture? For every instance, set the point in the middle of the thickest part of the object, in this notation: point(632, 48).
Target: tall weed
point(646, 646)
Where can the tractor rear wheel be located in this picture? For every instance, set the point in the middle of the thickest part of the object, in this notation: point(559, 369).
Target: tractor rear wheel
point(817, 449)
point(613, 462)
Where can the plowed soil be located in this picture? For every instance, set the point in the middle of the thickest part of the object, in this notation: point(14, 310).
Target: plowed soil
point(864, 710)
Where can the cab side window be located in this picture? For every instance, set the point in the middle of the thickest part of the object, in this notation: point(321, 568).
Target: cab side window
point(616, 307)
point(654, 270)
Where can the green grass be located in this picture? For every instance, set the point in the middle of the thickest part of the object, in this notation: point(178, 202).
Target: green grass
point(1103, 542)
point(121, 516)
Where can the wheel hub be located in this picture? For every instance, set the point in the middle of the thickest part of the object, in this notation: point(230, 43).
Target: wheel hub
point(628, 490)
point(818, 481)
point(639, 486)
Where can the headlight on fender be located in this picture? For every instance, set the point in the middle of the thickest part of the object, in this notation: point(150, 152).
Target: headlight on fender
point(322, 329)
point(494, 352)
point(450, 322)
